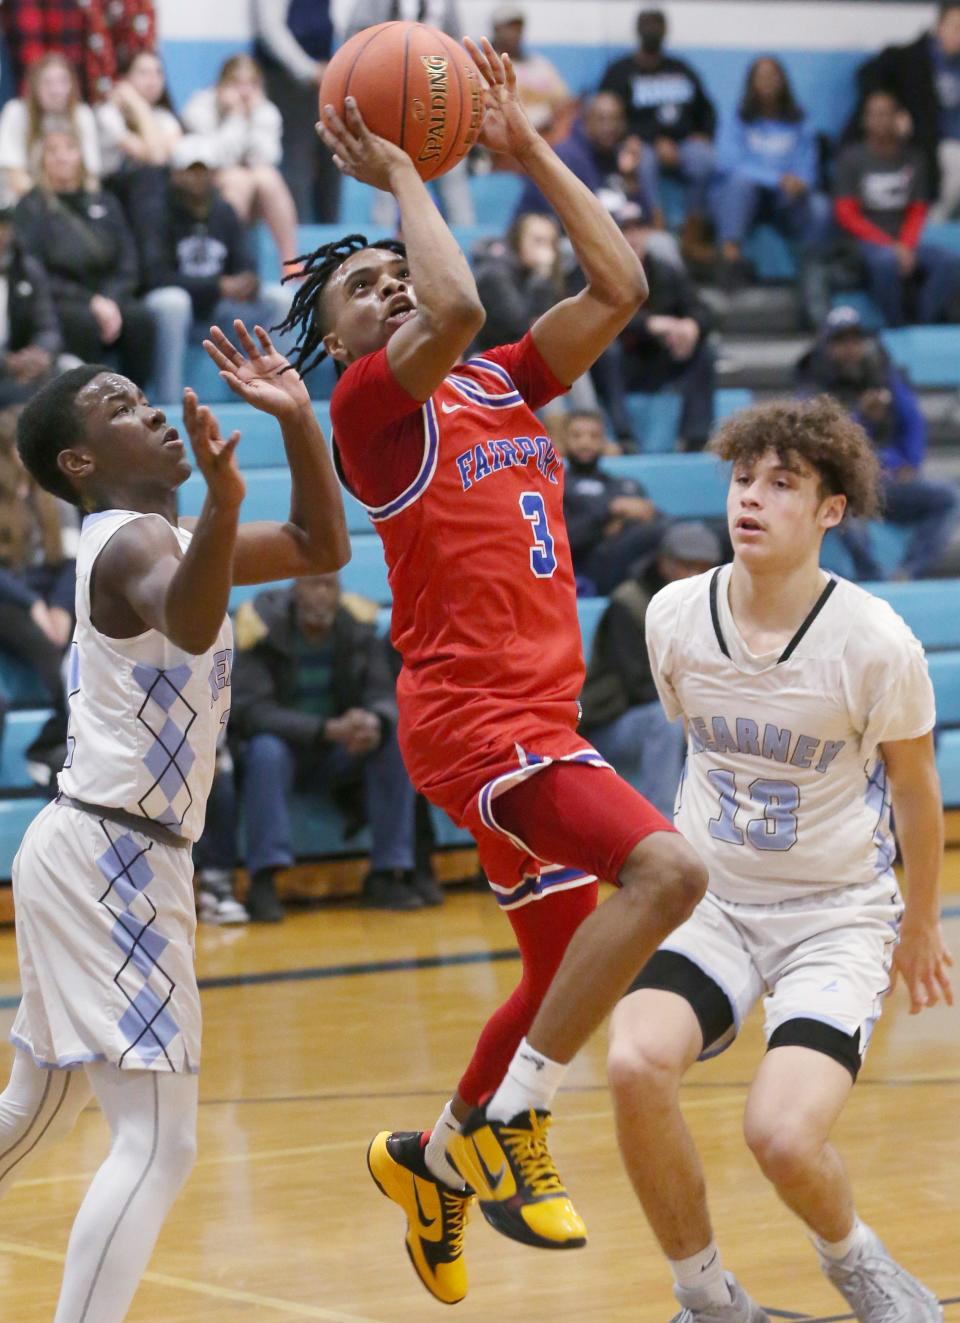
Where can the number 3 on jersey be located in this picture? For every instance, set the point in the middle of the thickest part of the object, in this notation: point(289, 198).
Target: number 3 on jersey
point(542, 560)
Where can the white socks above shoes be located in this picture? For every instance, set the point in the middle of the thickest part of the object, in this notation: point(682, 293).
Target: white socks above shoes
point(531, 1081)
point(435, 1153)
point(839, 1249)
point(700, 1278)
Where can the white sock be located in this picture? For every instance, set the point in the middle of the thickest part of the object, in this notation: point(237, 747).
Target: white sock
point(839, 1249)
point(435, 1153)
point(531, 1081)
point(702, 1275)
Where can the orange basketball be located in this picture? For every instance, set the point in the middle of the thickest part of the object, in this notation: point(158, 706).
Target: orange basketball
point(413, 85)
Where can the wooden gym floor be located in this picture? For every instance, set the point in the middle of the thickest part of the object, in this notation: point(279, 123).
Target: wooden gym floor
point(343, 1022)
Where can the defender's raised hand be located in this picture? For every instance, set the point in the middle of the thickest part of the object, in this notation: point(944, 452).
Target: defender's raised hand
point(263, 378)
point(215, 456)
point(507, 130)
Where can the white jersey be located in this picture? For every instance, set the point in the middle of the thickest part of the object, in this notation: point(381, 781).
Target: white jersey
point(784, 791)
point(144, 714)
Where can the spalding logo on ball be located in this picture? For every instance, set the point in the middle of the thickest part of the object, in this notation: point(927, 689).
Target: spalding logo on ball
point(414, 86)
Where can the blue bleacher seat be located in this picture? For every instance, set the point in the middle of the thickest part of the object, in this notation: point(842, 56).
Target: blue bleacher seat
point(948, 765)
point(945, 674)
point(15, 817)
point(931, 607)
point(683, 486)
point(730, 400)
point(930, 355)
point(366, 572)
point(20, 730)
point(589, 610)
point(20, 684)
point(945, 234)
point(772, 255)
point(655, 419)
point(495, 197)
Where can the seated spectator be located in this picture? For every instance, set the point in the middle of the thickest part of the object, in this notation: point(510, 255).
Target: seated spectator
point(37, 585)
point(545, 96)
point(215, 853)
point(610, 521)
point(924, 78)
point(30, 338)
point(453, 188)
point(668, 109)
point(768, 157)
point(665, 346)
point(80, 235)
point(314, 706)
point(853, 366)
point(137, 124)
point(881, 205)
point(622, 715)
point(197, 261)
point(52, 101)
point(518, 278)
point(247, 130)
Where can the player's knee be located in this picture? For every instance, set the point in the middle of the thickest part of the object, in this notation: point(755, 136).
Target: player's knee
point(785, 1148)
point(666, 864)
point(642, 1069)
point(180, 1153)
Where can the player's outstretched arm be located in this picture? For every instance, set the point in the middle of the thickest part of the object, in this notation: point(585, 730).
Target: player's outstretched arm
point(922, 958)
point(145, 581)
point(449, 312)
point(574, 333)
point(314, 539)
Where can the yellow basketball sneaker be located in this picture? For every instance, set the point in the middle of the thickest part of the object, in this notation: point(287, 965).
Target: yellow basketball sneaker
point(520, 1191)
point(436, 1215)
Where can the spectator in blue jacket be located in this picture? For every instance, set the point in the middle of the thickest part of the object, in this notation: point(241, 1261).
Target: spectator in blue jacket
point(618, 168)
point(768, 158)
point(852, 365)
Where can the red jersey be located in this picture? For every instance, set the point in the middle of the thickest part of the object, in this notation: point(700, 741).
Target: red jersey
point(466, 493)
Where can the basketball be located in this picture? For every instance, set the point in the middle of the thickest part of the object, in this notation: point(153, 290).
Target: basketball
point(413, 85)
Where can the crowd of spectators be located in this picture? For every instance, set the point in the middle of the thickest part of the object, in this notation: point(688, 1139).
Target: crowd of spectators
point(126, 229)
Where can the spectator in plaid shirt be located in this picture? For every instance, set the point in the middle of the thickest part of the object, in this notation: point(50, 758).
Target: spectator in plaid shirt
point(95, 38)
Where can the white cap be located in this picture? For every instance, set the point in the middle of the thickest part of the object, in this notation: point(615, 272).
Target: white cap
point(194, 149)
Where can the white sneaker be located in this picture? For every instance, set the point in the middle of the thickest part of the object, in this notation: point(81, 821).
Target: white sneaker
point(741, 1308)
point(877, 1289)
point(216, 902)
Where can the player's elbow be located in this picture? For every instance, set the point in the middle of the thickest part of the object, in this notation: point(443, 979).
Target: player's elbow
point(465, 316)
point(634, 288)
point(193, 638)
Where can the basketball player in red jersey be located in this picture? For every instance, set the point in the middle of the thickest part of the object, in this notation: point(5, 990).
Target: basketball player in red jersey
point(466, 492)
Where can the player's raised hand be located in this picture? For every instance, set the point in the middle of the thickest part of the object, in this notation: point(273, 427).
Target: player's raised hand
point(214, 455)
point(506, 130)
point(260, 374)
point(922, 960)
point(358, 152)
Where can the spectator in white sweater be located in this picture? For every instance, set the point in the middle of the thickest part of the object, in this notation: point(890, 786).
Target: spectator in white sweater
point(247, 129)
point(52, 101)
point(137, 123)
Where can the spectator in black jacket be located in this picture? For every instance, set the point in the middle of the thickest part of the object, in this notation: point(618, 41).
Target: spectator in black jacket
point(665, 346)
point(80, 236)
point(622, 715)
point(924, 78)
point(668, 108)
point(198, 262)
point(610, 521)
point(314, 706)
point(30, 338)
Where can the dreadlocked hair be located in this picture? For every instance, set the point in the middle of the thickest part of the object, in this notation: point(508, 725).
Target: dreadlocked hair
point(315, 269)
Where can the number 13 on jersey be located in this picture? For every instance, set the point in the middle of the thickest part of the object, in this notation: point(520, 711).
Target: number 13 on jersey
point(543, 562)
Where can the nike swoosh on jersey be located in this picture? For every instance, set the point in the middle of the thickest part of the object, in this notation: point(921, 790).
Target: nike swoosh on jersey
point(424, 1220)
point(451, 408)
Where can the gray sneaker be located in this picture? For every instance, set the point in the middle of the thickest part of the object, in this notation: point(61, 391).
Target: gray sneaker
point(741, 1308)
point(878, 1290)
